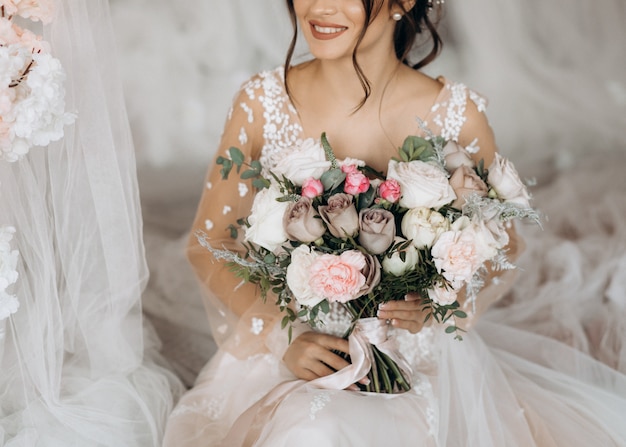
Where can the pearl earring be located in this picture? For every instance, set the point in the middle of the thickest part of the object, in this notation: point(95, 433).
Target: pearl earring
point(396, 16)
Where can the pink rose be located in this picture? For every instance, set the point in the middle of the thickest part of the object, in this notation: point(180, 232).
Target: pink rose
point(302, 223)
point(312, 188)
point(340, 215)
point(456, 255)
point(338, 278)
point(356, 183)
point(465, 182)
point(390, 190)
point(349, 168)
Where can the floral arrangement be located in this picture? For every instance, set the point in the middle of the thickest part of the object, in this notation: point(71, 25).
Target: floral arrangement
point(325, 231)
point(32, 106)
point(8, 273)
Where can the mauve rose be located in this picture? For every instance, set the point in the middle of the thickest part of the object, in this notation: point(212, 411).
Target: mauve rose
point(356, 183)
point(372, 274)
point(312, 188)
point(423, 184)
point(456, 156)
point(423, 226)
point(390, 190)
point(377, 228)
point(338, 277)
point(395, 265)
point(505, 181)
point(302, 223)
point(340, 215)
point(466, 182)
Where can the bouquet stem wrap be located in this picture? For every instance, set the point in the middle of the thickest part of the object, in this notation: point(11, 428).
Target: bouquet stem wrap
point(375, 355)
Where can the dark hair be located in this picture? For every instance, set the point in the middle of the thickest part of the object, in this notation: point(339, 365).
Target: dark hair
point(413, 23)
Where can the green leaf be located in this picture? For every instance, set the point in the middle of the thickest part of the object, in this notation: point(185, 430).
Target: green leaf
point(330, 155)
point(227, 166)
point(248, 174)
point(450, 329)
point(332, 178)
point(234, 232)
point(459, 314)
point(284, 322)
point(236, 156)
point(261, 183)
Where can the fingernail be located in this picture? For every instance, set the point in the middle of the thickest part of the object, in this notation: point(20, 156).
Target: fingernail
point(382, 305)
point(366, 381)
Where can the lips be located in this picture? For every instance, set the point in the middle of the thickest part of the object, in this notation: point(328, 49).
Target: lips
point(326, 31)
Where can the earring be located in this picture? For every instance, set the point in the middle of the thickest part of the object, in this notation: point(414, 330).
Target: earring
point(396, 16)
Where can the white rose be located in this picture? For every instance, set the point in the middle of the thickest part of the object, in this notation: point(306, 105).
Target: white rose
point(395, 265)
point(298, 273)
point(303, 162)
point(266, 220)
point(422, 184)
point(505, 181)
point(423, 226)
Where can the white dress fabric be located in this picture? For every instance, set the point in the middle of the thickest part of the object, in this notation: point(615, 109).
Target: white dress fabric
point(503, 385)
point(78, 367)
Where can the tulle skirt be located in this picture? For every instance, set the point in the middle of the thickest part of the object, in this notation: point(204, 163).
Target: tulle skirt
point(500, 386)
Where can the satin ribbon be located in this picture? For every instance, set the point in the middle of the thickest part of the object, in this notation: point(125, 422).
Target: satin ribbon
point(248, 427)
point(367, 332)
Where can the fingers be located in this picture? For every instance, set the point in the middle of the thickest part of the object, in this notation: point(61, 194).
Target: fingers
point(310, 355)
point(406, 314)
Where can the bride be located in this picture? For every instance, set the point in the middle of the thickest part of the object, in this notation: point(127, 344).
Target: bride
point(500, 386)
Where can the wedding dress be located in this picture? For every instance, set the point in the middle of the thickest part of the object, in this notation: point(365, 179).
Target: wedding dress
point(78, 367)
point(501, 386)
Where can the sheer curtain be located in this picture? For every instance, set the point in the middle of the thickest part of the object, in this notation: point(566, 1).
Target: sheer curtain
point(78, 366)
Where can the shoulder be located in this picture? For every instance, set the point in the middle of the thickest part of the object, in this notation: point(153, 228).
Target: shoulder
point(460, 112)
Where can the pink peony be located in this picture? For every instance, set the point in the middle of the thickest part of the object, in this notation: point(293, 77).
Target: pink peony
point(349, 168)
point(456, 255)
point(312, 188)
point(338, 278)
point(356, 183)
point(390, 190)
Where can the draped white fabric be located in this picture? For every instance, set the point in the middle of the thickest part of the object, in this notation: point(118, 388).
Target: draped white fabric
point(78, 367)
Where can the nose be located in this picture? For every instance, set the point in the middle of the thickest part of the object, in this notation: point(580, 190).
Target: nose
point(324, 7)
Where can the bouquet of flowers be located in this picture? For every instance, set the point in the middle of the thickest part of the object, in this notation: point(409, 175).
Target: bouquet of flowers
point(326, 231)
point(32, 105)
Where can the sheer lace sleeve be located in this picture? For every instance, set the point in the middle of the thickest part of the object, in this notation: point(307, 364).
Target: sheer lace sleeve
point(237, 315)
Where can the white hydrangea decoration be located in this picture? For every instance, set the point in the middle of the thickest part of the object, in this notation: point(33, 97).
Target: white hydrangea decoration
point(32, 93)
point(8, 273)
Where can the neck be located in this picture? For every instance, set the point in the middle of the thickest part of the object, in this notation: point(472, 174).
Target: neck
point(339, 78)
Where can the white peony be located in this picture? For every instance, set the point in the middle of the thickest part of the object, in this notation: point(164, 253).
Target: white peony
point(423, 226)
point(457, 255)
point(302, 162)
point(422, 184)
point(266, 220)
point(298, 274)
point(442, 295)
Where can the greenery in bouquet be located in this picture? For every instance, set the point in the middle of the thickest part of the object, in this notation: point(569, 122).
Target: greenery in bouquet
point(325, 231)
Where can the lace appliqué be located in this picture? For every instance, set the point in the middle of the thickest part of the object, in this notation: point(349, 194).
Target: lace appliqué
point(449, 114)
point(318, 402)
point(336, 322)
point(211, 408)
point(281, 129)
point(418, 349)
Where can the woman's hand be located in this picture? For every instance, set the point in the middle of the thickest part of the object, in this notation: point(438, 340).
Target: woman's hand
point(407, 314)
point(310, 355)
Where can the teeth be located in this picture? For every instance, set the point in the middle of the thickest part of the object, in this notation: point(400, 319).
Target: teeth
point(327, 30)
